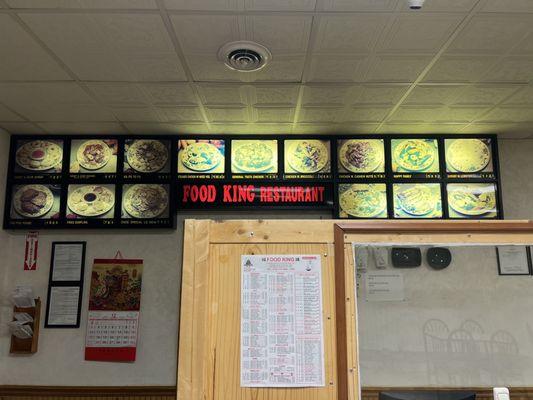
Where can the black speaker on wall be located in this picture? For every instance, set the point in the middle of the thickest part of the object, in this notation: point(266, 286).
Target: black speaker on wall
point(439, 257)
point(406, 257)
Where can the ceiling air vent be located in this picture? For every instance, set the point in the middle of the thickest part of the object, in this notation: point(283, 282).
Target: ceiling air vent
point(244, 56)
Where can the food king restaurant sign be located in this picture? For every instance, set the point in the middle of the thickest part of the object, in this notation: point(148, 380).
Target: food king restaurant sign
point(192, 195)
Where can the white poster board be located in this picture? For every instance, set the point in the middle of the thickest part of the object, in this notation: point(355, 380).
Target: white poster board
point(282, 338)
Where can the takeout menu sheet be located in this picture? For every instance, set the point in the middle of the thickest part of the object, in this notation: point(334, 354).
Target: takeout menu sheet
point(281, 321)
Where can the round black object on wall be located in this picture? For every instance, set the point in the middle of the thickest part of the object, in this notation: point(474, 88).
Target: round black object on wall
point(438, 257)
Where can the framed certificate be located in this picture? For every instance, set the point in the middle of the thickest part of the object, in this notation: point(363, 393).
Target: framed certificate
point(513, 260)
point(65, 285)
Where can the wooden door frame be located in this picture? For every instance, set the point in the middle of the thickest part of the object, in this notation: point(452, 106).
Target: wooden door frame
point(366, 227)
point(339, 234)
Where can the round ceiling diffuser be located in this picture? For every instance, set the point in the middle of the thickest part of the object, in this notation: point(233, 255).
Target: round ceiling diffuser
point(244, 56)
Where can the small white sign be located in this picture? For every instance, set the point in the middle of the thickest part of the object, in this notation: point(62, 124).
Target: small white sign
point(512, 260)
point(384, 286)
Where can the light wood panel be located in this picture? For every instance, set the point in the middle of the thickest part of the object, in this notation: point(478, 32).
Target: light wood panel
point(212, 278)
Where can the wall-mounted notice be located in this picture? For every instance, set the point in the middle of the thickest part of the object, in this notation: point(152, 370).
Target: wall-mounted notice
point(384, 286)
point(114, 304)
point(513, 260)
point(281, 321)
point(65, 285)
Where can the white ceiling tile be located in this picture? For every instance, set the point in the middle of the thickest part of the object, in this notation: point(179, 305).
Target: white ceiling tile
point(397, 68)
point(420, 128)
point(82, 128)
point(460, 68)
point(180, 114)
point(485, 94)
point(282, 69)
point(169, 93)
point(204, 5)
point(357, 5)
point(326, 95)
point(246, 128)
point(461, 114)
point(136, 114)
point(386, 95)
point(491, 34)
point(508, 6)
point(6, 115)
point(117, 93)
point(509, 114)
point(503, 128)
point(109, 46)
point(280, 5)
point(155, 128)
point(227, 114)
point(351, 128)
point(320, 115)
point(274, 114)
point(349, 33)
point(419, 32)
point(315, 128)
point(523, 96)
point(205, 34)
point(109, 4)
point(205, 68)
point(511, 69)
point(432, 95)
point(274, 94)
point(366, 114)
point(52, 102)
point(337, 68)
point(21, 128)
point(442, 6)
point(22, 58)
point(280, 34)
point(525, 47)
point(416, 114)
point(268, 128)
point(219, 94)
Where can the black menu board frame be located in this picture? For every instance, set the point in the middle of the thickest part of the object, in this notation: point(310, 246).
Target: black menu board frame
point(271, 185)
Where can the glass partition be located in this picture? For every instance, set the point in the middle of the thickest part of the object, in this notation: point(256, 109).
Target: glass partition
point(424, 323)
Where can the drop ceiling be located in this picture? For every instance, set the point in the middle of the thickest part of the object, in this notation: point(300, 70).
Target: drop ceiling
point(339, 66)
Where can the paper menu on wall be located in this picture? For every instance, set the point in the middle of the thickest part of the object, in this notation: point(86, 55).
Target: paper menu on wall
point(281, 321)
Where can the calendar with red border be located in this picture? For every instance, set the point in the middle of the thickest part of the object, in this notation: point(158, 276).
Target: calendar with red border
point(114, 304)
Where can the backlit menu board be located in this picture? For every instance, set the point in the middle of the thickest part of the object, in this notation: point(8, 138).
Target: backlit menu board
point(144, 181)
point(84, 181)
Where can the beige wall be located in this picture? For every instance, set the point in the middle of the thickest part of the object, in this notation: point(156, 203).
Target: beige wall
point(59, 360)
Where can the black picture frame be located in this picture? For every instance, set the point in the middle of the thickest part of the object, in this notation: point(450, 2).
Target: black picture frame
point(176, 181)
point(76, 283)
point(529, 272)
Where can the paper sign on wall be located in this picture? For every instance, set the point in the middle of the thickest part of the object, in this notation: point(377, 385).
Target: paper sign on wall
point(281, 321)
point(384, 286)
point(114, 304)
point(30, 252)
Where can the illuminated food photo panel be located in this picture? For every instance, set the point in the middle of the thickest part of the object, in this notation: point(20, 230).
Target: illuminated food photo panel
point(39, 156)
point(146, 156)
point(93, 156)
point(307, 158)
point(361, 200)
point(472, 200)
point(417, 200)
point(198, 157)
